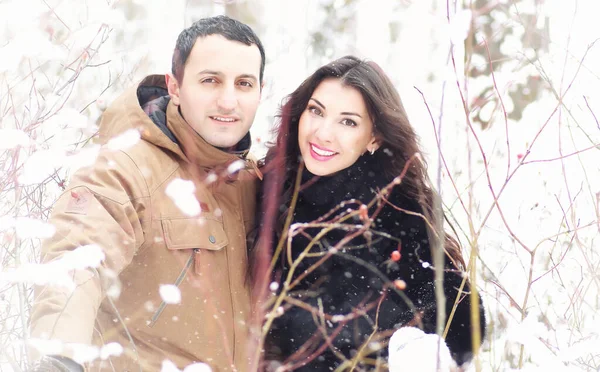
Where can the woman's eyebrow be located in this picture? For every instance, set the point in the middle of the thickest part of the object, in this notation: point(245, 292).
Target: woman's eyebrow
point(342, 113)
point(318, 103)
point(351, 113)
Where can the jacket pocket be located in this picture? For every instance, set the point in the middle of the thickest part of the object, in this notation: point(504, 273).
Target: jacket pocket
point(193, 234)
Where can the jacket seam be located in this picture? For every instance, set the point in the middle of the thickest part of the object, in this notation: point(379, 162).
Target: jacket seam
point(147, 222)
point(231, 302)
point(164, 179)
point(139, 171)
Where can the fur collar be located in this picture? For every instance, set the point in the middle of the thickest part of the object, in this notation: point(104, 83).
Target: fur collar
point(360, 181)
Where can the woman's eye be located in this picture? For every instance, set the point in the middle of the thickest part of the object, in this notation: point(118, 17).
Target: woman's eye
point(349, 122)
point(315, 110)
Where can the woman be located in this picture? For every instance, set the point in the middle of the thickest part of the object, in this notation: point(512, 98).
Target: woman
point(355, 264)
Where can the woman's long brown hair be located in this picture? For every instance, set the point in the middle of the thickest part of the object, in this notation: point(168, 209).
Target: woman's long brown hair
point(398, 144)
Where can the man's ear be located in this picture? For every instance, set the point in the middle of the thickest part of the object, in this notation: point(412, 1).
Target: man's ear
point(173, 88)
point(262, 86)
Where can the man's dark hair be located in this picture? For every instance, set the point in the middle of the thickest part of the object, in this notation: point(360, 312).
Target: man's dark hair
point(229, 28)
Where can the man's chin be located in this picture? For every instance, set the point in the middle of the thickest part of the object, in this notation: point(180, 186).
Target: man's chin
point(223, 143)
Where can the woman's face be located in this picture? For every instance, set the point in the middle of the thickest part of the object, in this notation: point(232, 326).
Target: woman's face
point(335, 128)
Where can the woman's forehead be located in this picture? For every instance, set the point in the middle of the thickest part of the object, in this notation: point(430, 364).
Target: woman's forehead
point(338, 97)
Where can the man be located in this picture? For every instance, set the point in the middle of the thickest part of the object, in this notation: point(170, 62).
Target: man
point(170, 215)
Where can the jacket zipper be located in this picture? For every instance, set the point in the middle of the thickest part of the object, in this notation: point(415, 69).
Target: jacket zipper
point(178, 281)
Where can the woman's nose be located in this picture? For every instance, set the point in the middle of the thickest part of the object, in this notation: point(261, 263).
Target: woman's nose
point(324, 132)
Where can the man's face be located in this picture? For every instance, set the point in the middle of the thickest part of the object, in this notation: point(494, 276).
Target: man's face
point(220, 90)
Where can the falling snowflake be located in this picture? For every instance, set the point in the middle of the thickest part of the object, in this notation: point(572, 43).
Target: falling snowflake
point(46, 347)
point(198, 367)
point(168, 366)
point(124, 140)
point(83, 257)
point(170, 293)
point(236, 166)
point(182, 194)
point(84, 353)
point(84, 157)
point(111, 349)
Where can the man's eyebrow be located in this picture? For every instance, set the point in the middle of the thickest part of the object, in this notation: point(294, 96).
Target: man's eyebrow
point(209, 72)
point(247, 76)
point(219, 73)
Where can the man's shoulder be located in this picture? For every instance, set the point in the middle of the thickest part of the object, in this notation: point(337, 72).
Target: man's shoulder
point(138, 169)
point(154, 163)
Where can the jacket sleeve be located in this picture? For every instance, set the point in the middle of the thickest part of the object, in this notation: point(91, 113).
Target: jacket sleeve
point(103, 206)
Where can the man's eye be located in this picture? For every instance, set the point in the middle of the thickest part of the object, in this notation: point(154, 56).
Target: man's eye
point(209, 80)
point(246, 84)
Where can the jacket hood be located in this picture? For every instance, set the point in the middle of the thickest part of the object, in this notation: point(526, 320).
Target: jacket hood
point(148, 109)
point(126, 113)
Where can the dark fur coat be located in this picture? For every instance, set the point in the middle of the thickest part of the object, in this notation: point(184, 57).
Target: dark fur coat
point(359, 278)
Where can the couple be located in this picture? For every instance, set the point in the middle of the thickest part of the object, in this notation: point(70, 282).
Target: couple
point(172, 215)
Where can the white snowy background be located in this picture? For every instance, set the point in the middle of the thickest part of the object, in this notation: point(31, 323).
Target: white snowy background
point(523, 192)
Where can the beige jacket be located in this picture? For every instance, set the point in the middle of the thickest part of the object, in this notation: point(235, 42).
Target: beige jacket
point(120, 204)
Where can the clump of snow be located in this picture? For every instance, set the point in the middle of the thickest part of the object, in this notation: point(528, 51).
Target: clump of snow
point(211, 177)
point(236, 166)
point(28, 228)
point(337, 318)
point(84, 157)
point(40, 274)
point(11, 138)
point(66, 116)
point(87, 256)
point(81, 353)
point(460, 25)
point(411, 349)
point(59, 272)
point(40, 165)
point(84, 353)
point(111, 349)
point(198, 367)
point(168, 366)
point(46, 347)
point(182, 194)
point(112, 283)
point(124, 140)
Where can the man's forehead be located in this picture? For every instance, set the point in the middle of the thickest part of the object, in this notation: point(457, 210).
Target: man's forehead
point(227, 57)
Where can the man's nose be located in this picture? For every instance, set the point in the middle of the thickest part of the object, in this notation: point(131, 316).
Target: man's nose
point(227, 100)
